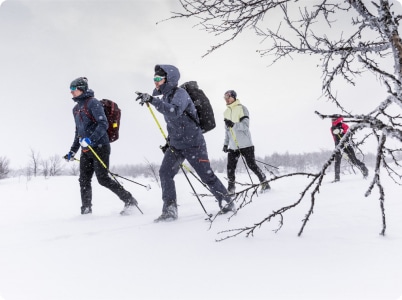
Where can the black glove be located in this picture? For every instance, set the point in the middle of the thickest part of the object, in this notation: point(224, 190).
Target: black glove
point(144, 97)
point(225, 148)
point(69, 156)
point(228, 123)
point(164, 148)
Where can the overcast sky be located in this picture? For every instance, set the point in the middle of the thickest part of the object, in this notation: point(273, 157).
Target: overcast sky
point(115, 44)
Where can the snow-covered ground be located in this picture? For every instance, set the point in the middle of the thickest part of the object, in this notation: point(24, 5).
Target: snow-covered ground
point(48, 251)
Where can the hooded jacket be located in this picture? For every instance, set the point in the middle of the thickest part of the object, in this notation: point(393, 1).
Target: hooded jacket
point(172, 102)
point(338, 129)
point(238, 114)
point(90, 121)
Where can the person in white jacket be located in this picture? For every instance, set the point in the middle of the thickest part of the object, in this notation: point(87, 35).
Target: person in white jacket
point(238, 141)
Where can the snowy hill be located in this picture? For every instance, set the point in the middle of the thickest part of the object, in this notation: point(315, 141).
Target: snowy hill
point(48, 251)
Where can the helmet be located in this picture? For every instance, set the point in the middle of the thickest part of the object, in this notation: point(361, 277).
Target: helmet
point(80, 83)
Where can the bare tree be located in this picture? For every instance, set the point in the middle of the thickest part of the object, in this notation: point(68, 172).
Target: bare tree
point(4, 167)
point(45, 164)
point(55, 165)
point(34, 163)
point(74, 169)
point(368, 44)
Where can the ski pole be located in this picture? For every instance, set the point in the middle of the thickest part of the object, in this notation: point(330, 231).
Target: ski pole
point(266, 164)
point(181, 165)
point(148, 187)
point(104, 165)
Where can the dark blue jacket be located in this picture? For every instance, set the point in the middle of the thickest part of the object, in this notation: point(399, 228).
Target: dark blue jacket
point(182, 130)
point(90, 121)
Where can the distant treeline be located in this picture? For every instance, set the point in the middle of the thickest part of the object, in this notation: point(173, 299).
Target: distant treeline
point(275, 163)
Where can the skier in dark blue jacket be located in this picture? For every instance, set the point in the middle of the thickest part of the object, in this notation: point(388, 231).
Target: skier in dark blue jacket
point(91, 130)
point(185, 141)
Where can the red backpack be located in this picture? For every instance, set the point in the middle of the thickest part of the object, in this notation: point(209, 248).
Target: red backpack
point(113, 115)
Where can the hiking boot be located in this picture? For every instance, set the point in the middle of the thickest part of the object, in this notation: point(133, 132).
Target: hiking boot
point(264, 186)
point(169, 213)
point(231, 188)
point(86, 210)
point(229, 207)
point(129, 206)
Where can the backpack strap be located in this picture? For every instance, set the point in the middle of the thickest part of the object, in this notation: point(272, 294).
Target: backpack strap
point(86, 111)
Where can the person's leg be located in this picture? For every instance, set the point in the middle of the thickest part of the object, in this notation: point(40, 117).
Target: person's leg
point(249, 156)
point(169, 168)
point(198, 159)
point(359, 164)
point(86, 173)
point(233, 158)
point(103, 176)
point(338, 158)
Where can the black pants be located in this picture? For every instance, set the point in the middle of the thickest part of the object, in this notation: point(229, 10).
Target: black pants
point(353, 159)
point(248, 154)
point(89, 165)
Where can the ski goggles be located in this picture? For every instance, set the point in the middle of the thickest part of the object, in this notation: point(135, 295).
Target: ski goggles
point(73, 88)
point(158, 78)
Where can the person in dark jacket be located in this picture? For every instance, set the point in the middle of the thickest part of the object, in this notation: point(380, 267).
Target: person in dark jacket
point(238, 141)
point(338, 130)
point(185, 141)
point(91, 131)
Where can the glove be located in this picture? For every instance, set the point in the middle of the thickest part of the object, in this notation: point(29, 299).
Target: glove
point(144, 97)
point(337, 131)
point(225, 148)
point(164, 148)
point(85, 142)
point(228, 123)
point(69, 156)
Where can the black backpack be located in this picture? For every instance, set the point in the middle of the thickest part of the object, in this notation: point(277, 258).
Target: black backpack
point(202, 104)
point(113, 115)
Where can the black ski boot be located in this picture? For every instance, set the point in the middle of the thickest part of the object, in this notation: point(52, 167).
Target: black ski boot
point(169, 213)
point(129, 207)
point(86, 210)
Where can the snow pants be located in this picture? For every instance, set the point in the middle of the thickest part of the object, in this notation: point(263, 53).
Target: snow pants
point(348, 150)
point(198, 159)
point(248, 154)
point(89, 165)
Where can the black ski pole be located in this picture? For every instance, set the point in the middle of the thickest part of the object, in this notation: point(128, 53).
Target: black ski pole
point(148, 186)
point(266, 164)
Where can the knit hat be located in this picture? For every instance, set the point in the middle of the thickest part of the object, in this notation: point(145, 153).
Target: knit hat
point(231, 93)
point(80, 83)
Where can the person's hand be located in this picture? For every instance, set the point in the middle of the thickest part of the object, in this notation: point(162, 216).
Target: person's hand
point(337, 131)
point(144, 98)
point(228, 123)
point(69, 156)
point(165, 147)
point(85, 142)
point(225, 148)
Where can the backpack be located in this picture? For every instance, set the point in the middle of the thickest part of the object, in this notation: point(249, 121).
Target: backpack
point(113, 115)
point(202, 104)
